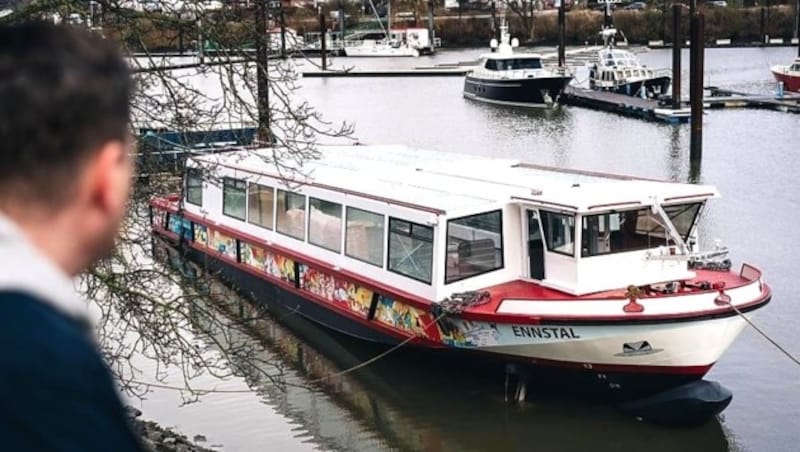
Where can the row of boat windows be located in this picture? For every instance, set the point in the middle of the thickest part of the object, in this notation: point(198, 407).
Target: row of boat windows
point(617, 232)
point(621, 75)
point(511, 64)
point(474, 243)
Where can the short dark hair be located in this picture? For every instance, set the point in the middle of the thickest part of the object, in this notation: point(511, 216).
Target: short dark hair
point(64, 92)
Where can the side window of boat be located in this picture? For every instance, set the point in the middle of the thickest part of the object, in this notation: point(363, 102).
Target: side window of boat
point(474, 245)
point(325, 224)
point(411, 249)
point(291, 214)
point(491, 64)
point(559, 232)
point(364, 236)
point(260, 205)
point(234, 198)
point(194, 186)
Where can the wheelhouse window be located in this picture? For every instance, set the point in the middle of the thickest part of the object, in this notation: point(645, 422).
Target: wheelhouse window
point(631, 230)
point(411, 249)
point(684, 217)
point(291, 214)
point(559, 232)
point(260, 205)
point(325, 224)
point(364, 236)
point(234, 198)
point(194, 186)
point(474, 245)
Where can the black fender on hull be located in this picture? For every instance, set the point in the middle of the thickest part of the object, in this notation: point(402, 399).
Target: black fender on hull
point(690, 404)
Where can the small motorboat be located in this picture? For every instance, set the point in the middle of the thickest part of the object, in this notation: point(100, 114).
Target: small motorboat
point(518, 79)
point(789, 74)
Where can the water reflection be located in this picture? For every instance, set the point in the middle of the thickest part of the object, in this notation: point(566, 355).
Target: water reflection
point(417, 401)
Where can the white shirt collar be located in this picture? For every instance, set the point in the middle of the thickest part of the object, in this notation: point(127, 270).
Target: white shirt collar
point(24, 268)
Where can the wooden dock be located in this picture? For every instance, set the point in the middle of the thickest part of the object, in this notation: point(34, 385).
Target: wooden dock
point(447, 71)
point(635, 107)
point(725, 98)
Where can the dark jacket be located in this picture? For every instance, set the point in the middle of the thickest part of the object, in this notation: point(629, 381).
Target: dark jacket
point(56, 392)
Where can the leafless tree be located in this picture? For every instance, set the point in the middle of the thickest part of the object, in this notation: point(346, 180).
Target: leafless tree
point(227, 78)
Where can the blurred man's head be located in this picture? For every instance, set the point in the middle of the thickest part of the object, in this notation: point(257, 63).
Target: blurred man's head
point(64, 111)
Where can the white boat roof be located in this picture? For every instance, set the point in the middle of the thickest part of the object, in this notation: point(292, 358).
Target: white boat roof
point(512, 56)
point(457, 184)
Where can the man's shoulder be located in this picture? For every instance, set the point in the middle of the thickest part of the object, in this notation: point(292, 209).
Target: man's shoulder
point(44, 336)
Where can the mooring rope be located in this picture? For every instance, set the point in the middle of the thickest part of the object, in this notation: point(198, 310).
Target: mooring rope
point(764, 334)
point(316, 380)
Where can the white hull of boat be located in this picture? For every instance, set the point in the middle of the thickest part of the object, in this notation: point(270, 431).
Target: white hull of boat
point(673, 344)
point(380, 51)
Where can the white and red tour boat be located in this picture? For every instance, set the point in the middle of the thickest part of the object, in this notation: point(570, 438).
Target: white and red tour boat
point(789, 74)
point(590, 278)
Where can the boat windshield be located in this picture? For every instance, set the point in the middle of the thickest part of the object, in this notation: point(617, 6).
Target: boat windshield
point(511, 64)
point(632, 230)
point(619, 59)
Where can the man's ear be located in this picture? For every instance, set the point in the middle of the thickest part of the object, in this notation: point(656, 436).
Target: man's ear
point(109, 177)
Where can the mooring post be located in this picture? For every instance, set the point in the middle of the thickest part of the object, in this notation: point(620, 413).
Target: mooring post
point(341, 21)
point(262, 66)
point(763, 25)
point(322, 49)
point(797, 25)
point(562, 59)
point(676, 56)
point(430, 22)
point(696, 84)
point(283, 30)
point(495, 28)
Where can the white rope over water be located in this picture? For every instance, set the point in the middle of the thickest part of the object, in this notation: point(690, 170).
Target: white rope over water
point(316, 380)
point(764, 334)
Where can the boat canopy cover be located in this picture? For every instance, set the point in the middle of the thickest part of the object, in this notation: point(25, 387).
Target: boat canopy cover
point(455, 184)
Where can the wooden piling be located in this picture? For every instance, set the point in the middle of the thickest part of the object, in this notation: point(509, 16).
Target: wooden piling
point(697, 50)
point(677, 40)
point(430, 22)
point(322, 32)
point(262, 77)
point(562, 59)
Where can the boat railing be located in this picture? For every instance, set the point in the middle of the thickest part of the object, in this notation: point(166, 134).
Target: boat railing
point(662, 72)
point(750, 272)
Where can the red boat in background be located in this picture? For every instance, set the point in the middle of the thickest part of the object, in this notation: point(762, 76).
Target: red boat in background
point(789, 75)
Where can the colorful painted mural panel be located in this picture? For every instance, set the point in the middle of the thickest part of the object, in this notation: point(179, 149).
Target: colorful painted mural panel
point(464, 333)
point(402, 316)
point(200, 234)
point(253, 256)
point(223, 244)
point(345, 293)
point(279, 266)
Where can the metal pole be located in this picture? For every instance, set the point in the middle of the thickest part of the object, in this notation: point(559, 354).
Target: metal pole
point(322, 33)
point(562, 59)
point(262, 77)
point(763, 25)
point(696, 87)
point(676, 56)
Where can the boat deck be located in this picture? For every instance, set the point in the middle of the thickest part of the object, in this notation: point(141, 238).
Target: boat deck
point(530, 290)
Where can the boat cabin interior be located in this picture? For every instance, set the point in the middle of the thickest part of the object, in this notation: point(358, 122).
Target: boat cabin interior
point(435, 225)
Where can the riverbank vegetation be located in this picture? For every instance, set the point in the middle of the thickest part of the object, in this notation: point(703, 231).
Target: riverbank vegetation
point(233, 28)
